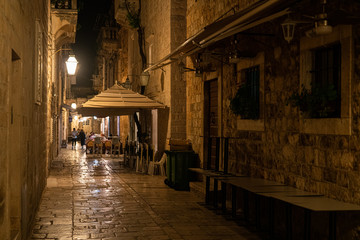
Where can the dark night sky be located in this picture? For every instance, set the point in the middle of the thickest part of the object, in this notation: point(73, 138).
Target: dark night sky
point(85, 45)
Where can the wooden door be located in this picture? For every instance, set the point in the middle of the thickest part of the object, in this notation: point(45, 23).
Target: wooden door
point(210, 121)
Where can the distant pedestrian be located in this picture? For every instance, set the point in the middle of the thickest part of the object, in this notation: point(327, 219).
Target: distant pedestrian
point(82, 137)
point(74, 135)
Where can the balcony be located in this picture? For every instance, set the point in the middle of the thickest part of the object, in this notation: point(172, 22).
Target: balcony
point(64, 15)
point(109, 38)
point(64, 4)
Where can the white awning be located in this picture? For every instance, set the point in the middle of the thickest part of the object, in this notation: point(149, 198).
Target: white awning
point(259, 13)
point(117, 101)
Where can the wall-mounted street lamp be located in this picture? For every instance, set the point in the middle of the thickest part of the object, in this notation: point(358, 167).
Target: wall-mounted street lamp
point(71, 62)
point(288, 28)
point(144, 80)
point(71, 65)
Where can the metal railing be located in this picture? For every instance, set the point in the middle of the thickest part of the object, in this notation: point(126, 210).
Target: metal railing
point(109, 33)
point(63, 4)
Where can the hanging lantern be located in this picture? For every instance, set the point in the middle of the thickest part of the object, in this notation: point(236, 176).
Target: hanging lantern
point(288, 28)
point(144, 79)
point(71, 65)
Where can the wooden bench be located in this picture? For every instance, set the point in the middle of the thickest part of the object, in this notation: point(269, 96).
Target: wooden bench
point(273, 191)
point(216, 175)
point(270, 190)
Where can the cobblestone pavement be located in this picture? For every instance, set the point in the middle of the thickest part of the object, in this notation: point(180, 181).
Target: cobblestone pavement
point(98, 198)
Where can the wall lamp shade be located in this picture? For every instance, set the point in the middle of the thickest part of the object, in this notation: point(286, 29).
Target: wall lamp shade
point(73, 105)
point(321, 26)
point(288, 28)
point(71, 65)
point(144, 78)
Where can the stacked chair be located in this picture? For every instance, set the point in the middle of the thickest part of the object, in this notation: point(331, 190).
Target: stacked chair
point(157, 167)
point(115, 147)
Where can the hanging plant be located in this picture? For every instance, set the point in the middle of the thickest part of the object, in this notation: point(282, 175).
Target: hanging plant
point(134, 20)
point(319, 102)
point(243, 104)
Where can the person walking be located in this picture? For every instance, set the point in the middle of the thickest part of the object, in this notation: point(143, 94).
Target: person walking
point(74, 135)
point(82, 137)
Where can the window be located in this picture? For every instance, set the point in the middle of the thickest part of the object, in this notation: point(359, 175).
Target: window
point(250, 77)
point(326, 80)
point(327, 60)
point(39, 67)
point(246, 102)
point(252, 80)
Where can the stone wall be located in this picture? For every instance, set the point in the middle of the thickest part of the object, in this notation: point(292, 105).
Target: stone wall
point(201, 13)
point(324, 163)
point(178, 83)
point(123, 54)
point(22, 122)
point(166, 85)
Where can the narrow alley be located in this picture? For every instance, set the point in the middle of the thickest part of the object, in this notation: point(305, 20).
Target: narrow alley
point(99, 198)
point(256, 103)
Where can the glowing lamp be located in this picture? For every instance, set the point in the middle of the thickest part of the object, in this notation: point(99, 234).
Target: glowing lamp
point(71, 65)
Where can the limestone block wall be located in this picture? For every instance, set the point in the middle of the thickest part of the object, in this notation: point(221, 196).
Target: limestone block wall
point(165, 30)
point(22, 122)
point(123, 55)
point(199, 14)
point(280, 149)
point(157, 46)
point(322, 163)
point(196, 19)
point(178, 84)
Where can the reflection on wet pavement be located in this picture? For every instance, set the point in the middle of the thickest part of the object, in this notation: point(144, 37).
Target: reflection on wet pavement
point(99, 198)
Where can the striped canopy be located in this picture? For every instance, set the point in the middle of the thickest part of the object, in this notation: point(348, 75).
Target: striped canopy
point(117, 101)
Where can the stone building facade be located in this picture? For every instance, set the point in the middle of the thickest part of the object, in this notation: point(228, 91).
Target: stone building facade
point(167, 85)
point(282, 144)
point(29, 107)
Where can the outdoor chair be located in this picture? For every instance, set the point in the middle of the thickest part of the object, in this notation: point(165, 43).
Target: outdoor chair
point(146, 157)
point(115, 146)
point(131, 148)
point(89, 146)
point(158, 166)
point(107, 147)
point(139, 158)
point(98, 145)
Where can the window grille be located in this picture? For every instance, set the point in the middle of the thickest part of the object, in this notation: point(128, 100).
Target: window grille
point(252, 81)
point(326, 76)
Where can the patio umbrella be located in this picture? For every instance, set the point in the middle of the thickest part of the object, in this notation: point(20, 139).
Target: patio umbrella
point(117, 101)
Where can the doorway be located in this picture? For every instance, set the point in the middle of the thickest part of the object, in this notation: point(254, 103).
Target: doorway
point(210, 122)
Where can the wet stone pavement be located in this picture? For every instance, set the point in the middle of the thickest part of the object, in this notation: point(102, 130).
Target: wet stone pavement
point(99, 198)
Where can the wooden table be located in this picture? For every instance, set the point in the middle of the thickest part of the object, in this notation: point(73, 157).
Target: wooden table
point(210, 174)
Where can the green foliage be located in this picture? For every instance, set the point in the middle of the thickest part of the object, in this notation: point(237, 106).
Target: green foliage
point(134, 20)
point(243, 104)
point(319, 102)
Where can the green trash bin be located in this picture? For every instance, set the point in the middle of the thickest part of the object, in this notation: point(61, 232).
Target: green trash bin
point(177, 172)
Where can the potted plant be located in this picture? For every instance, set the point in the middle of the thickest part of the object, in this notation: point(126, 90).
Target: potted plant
point(244, 104)
point(317, 102)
